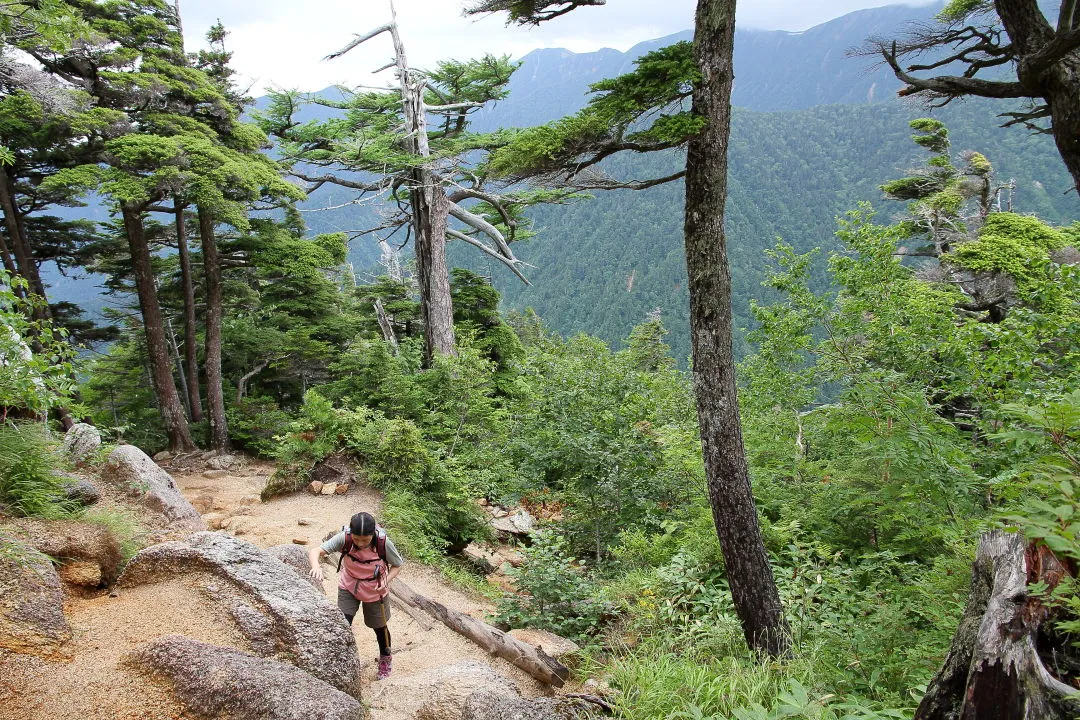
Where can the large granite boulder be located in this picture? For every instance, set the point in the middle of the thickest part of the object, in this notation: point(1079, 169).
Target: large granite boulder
point(223, 462)
point(308, 631)
point(488, 704)
point(440, 693)
point(31, 601)
point(213, 682)
point(88, 554)
point(296, 558)
point(518, 523)
point(81, 442)
point(132, 470)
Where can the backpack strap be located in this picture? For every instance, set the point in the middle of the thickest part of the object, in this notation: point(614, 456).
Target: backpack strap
point(380, 542)
point(346, 548)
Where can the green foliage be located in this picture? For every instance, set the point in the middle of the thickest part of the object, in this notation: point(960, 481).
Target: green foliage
point(430, 506)
point(1050, 512)
point(642, 110)
point(256, 423)
point(867, 408)
point(117, 391)
point(956, 11)
point(51, 24)
point(37, 362)
point(660, 685)
point(124, 526)
point(796, 701)
point(791, 174)
point(1018, 245)
point(476, 315)
point(29, 483)
point(646, 348)
point(554, 592)
point(606, 436)
point(933, 135)
point(481, 80)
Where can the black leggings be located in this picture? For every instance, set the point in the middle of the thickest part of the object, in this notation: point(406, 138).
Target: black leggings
point(381, 634)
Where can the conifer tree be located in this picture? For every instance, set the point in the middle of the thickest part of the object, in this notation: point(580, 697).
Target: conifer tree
point(188, 143)
point(983, 36)
point(644, 111)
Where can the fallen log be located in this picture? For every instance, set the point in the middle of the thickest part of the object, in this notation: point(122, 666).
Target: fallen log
point(531, 659)
point(993, 670)
point(412, 612)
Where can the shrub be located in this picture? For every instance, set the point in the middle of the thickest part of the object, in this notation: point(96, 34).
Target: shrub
point(556, 593)
point(1050, 513)
point(427, 505)
point(124, 525)
point(256, 423)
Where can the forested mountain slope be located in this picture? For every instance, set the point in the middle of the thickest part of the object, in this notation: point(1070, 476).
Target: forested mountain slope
point(603, 264)
point(815, 132)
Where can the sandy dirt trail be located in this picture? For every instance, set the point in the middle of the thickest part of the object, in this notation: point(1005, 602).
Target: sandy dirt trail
point(278, 521)
point(92, 681)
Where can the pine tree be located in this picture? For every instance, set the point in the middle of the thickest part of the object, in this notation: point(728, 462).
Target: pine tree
point(188, 143)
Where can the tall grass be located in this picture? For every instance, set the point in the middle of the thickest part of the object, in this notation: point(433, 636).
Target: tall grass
point(29, 484)
point(124, 526)
point(656, 683)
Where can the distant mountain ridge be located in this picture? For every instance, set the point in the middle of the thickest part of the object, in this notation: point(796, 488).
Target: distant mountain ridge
point(774, 70)
point(814, 133)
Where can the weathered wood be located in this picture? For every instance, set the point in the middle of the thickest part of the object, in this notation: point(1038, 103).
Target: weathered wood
point(430, 207)
point(993, 670)
point(412, 612)
point(531, 659)
point(385, 326)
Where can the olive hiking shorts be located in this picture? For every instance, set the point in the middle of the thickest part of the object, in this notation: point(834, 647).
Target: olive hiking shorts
point(376, 614)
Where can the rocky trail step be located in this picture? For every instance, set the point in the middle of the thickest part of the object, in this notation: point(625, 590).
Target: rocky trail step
point(98, 674)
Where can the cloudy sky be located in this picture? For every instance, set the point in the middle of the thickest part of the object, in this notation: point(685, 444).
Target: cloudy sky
point(279, 43)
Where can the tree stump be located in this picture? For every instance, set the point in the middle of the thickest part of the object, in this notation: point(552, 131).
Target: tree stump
point(993, 670)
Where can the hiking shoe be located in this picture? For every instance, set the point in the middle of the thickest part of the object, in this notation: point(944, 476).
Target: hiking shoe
point(385, 665)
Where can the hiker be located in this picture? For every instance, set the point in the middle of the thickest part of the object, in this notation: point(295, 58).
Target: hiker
point(369, 562)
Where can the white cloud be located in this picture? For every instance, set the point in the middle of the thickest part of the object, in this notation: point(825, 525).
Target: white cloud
point(281, 42)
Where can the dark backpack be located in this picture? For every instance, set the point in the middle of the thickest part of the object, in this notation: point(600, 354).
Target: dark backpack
point(380, 546)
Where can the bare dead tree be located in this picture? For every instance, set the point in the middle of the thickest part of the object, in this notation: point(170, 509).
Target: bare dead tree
point(421, 189)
